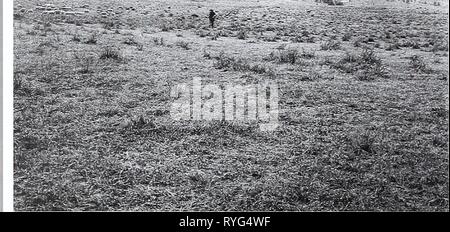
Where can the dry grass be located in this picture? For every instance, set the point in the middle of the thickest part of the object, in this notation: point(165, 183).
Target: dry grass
point(92, 128)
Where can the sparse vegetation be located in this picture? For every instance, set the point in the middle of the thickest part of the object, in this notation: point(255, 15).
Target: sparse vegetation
point(440, 45)
point(92, 39)
point(110, 52)
point(224, 61)
point(419, 65)
point(242, 35)
point(366, 65)
point(183, 44)
point(76, 38)
point(85, 62)
point(290, 56)
point(330, 45)
point(347, 36)
point(159, 41)
point(166, 27)
point(363, 107)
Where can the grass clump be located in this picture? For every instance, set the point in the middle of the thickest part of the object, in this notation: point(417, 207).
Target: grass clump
point(183, 44)
point(159, 41)
point(418, 65)
point(290, 55)
point(330, 45)
point(92, 39)
point(166, 27)
point(131, 41)
point(242, 35)
point(347, 36)
point(440, 45)
point(111, 53)
point(76, 38)
point(224, 61)
point(366, 65)
point(85, 62)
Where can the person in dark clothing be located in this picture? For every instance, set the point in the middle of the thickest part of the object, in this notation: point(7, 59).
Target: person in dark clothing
point(212, 18)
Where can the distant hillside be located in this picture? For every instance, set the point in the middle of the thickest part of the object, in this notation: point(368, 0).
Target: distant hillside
point(423, 2)
point(443, 3)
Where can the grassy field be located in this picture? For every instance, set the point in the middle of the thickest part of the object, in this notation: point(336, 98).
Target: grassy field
point(363, 95)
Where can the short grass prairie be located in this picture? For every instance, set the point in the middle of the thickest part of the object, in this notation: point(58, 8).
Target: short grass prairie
point(363, 98)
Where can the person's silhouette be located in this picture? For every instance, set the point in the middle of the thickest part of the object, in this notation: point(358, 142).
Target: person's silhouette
point(212, 18)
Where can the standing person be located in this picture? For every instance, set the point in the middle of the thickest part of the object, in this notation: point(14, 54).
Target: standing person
point(212, 18)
